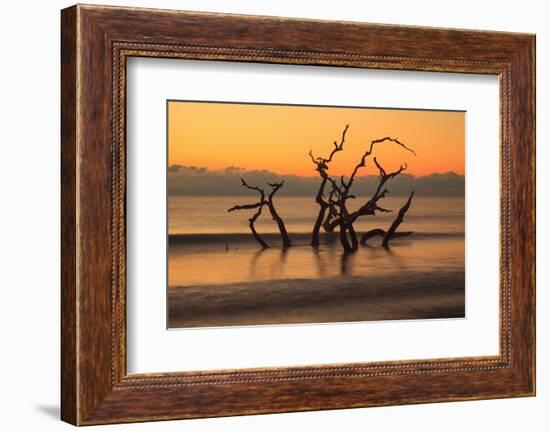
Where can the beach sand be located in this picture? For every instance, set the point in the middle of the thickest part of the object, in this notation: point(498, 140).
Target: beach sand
point(337, 299)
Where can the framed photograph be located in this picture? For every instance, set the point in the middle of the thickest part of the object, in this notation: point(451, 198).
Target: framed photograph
point(306, 249)
point(266, 215)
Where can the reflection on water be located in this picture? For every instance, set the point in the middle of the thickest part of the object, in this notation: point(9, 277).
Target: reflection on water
point(217, 247)
point(213, 264)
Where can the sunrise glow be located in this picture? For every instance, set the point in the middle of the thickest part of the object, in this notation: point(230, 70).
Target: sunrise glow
point(278, 138)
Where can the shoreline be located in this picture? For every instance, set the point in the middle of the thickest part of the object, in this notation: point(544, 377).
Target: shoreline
point(301, 238)
point(416, 295)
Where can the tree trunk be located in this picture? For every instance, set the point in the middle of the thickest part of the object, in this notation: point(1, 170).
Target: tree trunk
point(280, 224)
point(328, 224)
point(353, 238)
point(255, 234)
point(345, 241)
point(400, 216)
point(348, 244)
point(317, 227)
point(320, 216)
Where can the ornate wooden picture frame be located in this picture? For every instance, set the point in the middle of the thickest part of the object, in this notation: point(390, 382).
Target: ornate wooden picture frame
point(96, 41)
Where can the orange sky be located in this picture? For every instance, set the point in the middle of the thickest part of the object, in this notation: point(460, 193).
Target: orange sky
point(278, 138)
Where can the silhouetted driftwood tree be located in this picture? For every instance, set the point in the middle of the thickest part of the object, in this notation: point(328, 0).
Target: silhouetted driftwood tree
point(341, 191)
point(258, 206)
point(322, 166)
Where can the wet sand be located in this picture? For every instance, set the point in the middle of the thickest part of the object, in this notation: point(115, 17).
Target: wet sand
point(336, 299)
point(226, 280)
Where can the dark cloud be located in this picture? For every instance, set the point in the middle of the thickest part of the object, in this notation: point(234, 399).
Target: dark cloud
point(230, 170)
point(186, 170)
point(199, 181)
point(174, 168)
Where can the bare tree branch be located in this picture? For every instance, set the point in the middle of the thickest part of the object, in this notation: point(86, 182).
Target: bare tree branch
point(275, 188)
point(381, 232)
point(245, 207)
point(391, 233)
point(371, 206)
point(258, 205)
point(384, 178)
point(394, 140)
point(322, 167)
point(398, 220)
point(323, 163)
point(259, 190)
point(345, 220)
point(367, 153)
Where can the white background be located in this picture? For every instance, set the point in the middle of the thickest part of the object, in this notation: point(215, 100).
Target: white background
point(151, 348)
point(29, 227)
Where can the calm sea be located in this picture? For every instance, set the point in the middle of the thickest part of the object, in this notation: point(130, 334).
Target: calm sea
point(195, 215)
point(210, 246)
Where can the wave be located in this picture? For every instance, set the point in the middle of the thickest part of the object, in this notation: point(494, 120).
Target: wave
point(300, 238)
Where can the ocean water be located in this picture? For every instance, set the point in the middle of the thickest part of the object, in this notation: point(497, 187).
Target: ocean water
point(209, 246)
point(196, 215)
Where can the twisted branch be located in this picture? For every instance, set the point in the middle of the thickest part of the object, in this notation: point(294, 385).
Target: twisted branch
point(259, 206)
point(324, 205)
